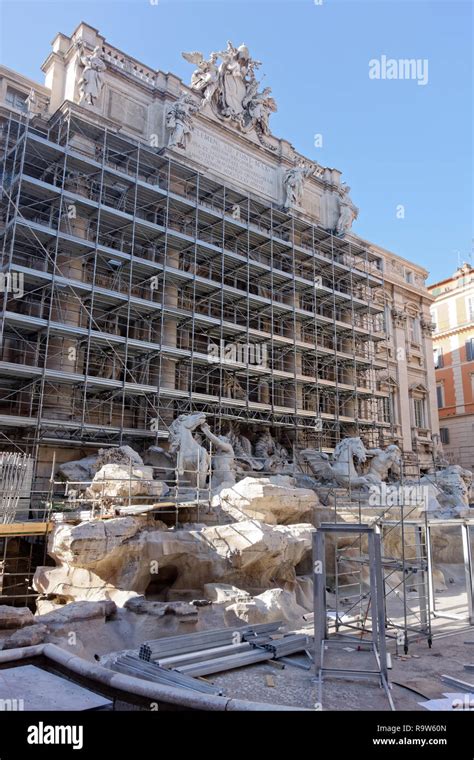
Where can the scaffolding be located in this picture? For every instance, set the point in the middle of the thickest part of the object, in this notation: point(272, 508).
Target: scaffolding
point(371, 654)
point(15, 483)
point(135, 270)
point(23, 531)
point(406, 563)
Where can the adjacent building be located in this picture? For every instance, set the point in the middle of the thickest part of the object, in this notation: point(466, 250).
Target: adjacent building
point(163, 253)
point(453, 341)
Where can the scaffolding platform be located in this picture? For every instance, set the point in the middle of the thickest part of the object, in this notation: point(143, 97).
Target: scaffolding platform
point(28, 528)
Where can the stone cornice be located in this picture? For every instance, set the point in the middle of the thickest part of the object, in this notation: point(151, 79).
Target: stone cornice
point(20, 79)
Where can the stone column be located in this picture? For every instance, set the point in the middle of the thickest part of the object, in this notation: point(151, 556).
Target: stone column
point(399, 341)
point(294, 362)
point(432, 403)
point(167, 378)
point(264, 392)
point(63, 352)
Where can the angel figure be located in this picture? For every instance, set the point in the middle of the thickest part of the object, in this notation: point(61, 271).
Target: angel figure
point(204, 78)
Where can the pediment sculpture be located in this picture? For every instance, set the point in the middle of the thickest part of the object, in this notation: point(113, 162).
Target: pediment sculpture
point(293, 183)
point(348, 211)
point(179, 121)
point(231, 89)
point(92, 80)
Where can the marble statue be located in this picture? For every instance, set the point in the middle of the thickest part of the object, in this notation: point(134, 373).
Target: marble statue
point(179, 121)
point(32, 103)
point(445, 493)
point(223, 464)
point(342, 469)
point(448, 491)
point(243, 450)
point(91, 82)
point(272, 455)
point(348, 212)
point(259, 106)
point(192, 459)
point(232, 89)
point(384, 461)
point(293, 182)
point(439, 457)
point(205, 78)
point(233, 80)
point(233, 388)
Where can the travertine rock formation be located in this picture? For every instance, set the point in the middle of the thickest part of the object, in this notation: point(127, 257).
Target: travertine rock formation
point(117, 483)
point(15, 617)
point(26, 637)
point(224, 593)
point(274, 500)
point(117, 559)
point(274, 604)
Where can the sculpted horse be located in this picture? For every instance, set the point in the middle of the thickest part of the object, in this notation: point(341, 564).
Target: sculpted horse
point(192, 459)
point(342, 469)
point(343, 466)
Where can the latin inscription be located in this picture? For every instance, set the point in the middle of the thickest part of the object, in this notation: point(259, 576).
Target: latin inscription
point(232, 163)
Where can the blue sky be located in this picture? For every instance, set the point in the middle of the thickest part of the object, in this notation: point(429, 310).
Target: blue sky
point(397, 143)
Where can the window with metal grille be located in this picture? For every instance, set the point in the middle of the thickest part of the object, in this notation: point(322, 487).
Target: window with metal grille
point(470, 350)
point(419, 408)
point(440, 396)
point(16, 99)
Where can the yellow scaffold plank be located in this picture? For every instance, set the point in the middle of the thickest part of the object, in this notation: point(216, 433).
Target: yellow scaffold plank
point(28, 528)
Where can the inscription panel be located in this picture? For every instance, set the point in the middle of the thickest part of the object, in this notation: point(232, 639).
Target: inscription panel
point(232, 163)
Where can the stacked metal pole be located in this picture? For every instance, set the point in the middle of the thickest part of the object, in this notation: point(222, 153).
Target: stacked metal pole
point(13, 471)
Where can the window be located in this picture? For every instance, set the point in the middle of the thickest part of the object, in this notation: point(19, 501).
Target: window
point(444, 435)
point(470, 350)
point(413, 329)
point(440, 396)
point(16, 99)
point(387, 409)
point(408, 276)
point(438, 358)
point(470, 308)
point(419, 408)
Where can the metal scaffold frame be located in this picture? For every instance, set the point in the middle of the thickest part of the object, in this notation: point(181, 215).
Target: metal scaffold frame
point(406, 563)
point(374, 600)
point(134, 264)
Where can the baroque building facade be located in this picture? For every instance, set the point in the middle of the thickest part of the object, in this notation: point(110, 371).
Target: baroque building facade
point(453, 339)
point(165, 253)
